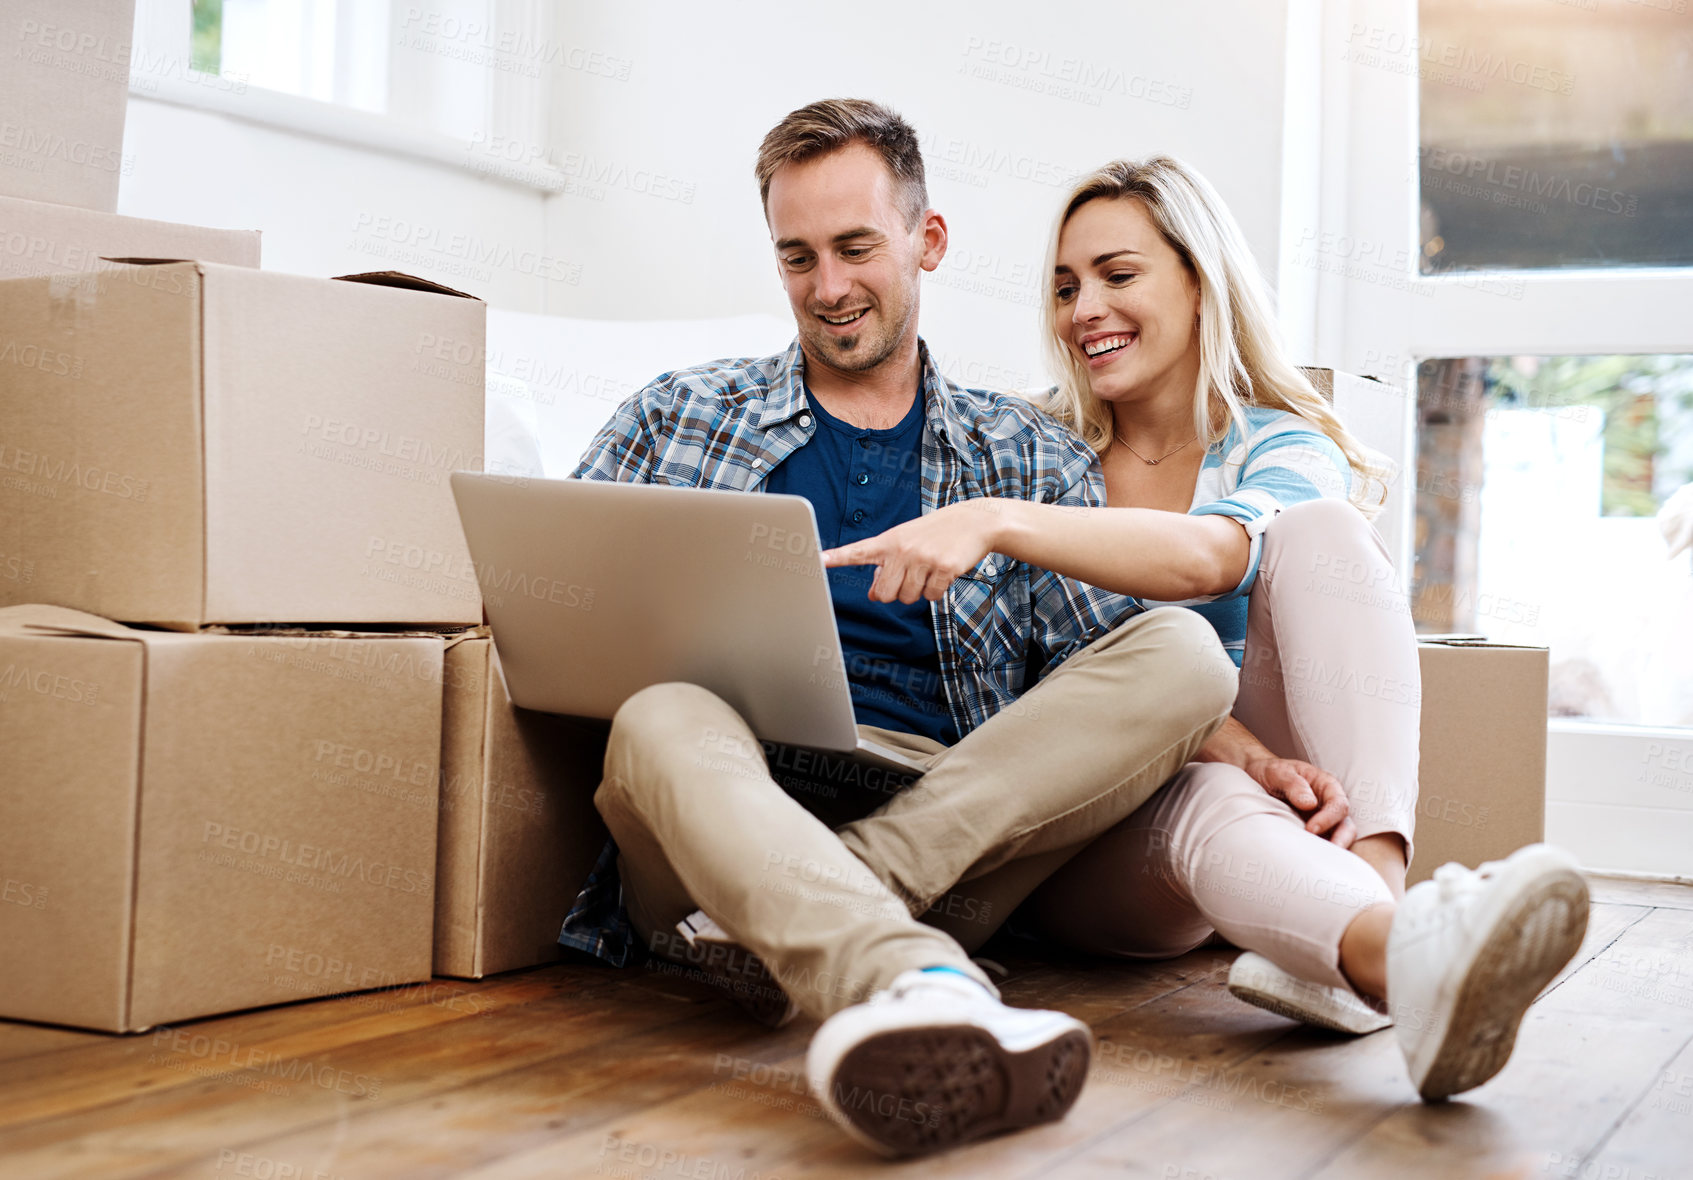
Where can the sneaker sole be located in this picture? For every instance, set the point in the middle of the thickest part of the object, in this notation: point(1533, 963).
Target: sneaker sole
point(908, 1092)
point(1317, 1015)
point(1528, 944)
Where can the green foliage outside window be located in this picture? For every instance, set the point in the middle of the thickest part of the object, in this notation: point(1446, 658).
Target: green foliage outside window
point(206, 46)
point(1635, 393)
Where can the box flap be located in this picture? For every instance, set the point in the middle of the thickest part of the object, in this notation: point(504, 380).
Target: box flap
point(460, 836)
point(395, 278)
point(71, 715)
point(1462, 640)
point(482, 632)
point(1324, 374)
point(41, 619)
point(303, 631)
point(148, 261)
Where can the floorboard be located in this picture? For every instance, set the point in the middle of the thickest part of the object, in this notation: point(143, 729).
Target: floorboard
point(1585, 1054)
point(1669, 895)
point(576, 1070)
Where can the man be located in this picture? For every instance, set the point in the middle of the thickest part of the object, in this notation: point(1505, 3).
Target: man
point(1020, 775)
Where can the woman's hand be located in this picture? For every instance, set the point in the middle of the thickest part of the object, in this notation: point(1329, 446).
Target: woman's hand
point(1315, 794)
point(922, 557)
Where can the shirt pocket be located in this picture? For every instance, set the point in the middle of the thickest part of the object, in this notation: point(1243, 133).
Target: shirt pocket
point(992, 614)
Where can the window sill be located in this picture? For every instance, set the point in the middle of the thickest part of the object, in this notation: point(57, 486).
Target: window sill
point(1620, 729)
point(305, 116)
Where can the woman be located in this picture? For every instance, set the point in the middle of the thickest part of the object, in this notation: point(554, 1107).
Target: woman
point(1233, 488)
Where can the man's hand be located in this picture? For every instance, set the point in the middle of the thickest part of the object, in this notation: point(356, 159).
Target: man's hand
point(1315, 794)
point(922, 557)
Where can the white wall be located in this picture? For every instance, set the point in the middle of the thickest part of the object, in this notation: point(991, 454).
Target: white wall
point(663, 213)
point(657, 112)
point(330, 208)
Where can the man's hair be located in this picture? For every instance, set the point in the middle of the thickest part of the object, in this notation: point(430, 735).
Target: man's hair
point(835, 123)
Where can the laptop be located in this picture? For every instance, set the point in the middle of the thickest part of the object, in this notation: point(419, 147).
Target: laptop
point(595, 590)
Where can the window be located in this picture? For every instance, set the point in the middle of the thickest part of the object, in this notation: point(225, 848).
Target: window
point(440, 80)
point(1555, 133)
point(1536, 340)
point(1539, 482)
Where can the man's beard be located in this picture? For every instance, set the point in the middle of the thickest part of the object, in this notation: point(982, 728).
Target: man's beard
point(863, 351)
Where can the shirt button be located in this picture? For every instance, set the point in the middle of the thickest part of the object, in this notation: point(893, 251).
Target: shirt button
point(858, 516)
point(805, 419)
point(863, 477)
point(757, 463)
point(864, 442)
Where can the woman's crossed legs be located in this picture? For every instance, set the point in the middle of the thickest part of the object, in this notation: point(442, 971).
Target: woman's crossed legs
point(1211, 852)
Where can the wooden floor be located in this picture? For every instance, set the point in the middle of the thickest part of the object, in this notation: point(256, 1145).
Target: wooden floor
point(583, 1071)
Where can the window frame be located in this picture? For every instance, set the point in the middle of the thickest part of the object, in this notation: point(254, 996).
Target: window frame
point(1352, 194)
point(517, 105)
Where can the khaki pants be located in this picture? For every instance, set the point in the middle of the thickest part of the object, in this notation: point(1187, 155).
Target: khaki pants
point(701, 823)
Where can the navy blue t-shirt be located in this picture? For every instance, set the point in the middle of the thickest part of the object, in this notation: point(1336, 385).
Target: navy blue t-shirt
point(862, 482)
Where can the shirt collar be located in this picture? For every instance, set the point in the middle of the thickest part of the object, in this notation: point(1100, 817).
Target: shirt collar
point(785, 398)
point(939, 408)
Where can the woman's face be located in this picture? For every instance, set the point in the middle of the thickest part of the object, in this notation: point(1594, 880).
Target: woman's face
point(1127, 303)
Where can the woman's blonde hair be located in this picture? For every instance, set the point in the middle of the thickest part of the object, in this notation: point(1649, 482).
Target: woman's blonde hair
point(1241, 358)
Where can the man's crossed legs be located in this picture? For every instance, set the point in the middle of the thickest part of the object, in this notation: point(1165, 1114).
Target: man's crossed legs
point(702, 824)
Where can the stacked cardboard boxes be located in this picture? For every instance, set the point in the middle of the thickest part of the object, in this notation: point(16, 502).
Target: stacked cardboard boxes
point(232, 586)
point(214, 819)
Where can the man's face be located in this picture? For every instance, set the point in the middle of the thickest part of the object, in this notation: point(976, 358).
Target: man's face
point(848, 259)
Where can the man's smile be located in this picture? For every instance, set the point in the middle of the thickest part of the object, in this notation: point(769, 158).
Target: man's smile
point(843, 319)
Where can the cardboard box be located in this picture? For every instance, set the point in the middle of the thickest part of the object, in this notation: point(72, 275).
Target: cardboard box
point(1482, 784)
point(38, 239)
point(1329, 381)
point(519, 832)
point(64, 92)
point(189, 444)
point(194, 824)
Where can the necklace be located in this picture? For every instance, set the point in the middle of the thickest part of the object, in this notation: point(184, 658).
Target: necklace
point(1143, 458)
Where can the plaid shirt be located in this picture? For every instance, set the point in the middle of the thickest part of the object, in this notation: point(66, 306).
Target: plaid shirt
point(727, 425)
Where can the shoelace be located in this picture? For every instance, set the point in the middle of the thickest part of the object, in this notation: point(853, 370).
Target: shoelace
point(1455, 881)
point(1450, 878)
point(1454, 884)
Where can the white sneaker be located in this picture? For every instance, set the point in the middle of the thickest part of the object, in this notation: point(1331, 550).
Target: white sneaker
point(1468, 953)
point(934, 1061)
point(1258, 981)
